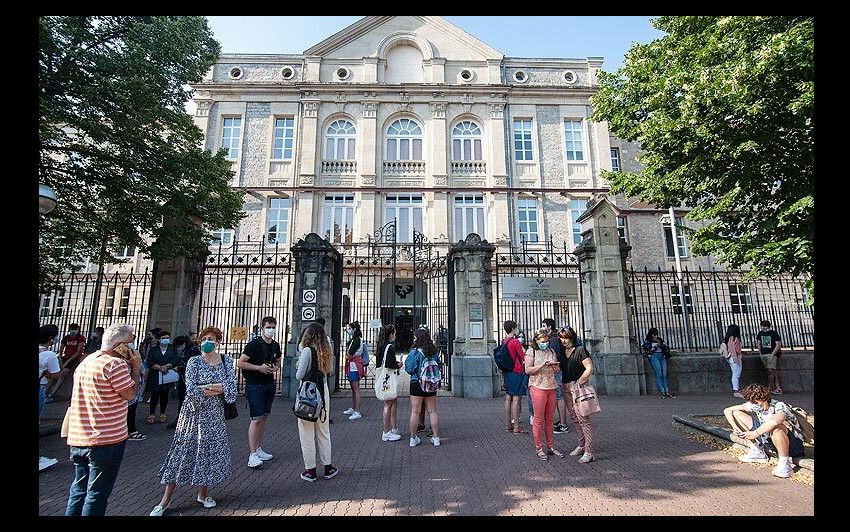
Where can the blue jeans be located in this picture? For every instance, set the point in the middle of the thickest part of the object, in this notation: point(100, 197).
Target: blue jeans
point(40, 401)
point(95, 472)
point(659, 365)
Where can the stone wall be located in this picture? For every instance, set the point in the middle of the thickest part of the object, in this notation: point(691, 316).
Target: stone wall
point(550, 139)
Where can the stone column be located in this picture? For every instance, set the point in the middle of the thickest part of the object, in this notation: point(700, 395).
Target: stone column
point(308, 145)
point(474, 374)
point(439, 153)
point(617, 362)
point(175, 287)
point(315, 270)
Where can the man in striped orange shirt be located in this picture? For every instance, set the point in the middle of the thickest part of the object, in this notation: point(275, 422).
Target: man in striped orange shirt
point(97, 419)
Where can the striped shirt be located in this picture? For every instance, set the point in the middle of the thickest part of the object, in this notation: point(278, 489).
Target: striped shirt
point(98, 414)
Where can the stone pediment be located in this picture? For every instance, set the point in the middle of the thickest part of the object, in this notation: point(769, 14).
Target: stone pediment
point(435, 36)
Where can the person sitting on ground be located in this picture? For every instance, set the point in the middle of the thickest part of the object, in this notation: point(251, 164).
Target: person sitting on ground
point(766, 422)
point(48, 368)
point(72, 349)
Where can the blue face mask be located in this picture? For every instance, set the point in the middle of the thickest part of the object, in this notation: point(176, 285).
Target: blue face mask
point(208, 346)
point(543, 345)
point(165, 341)
point(132, 345)
point(521, 340)
point(73, 333)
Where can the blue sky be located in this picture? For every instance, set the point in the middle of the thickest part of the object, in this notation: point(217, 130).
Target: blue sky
point(574, 37)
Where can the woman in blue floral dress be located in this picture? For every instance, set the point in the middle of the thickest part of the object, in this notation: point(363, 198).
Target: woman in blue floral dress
point(200, 453)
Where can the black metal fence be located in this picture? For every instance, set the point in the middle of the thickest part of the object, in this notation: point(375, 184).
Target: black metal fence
point(93, 300)
point(715, 299)
point(242, 284)
point(537, 260)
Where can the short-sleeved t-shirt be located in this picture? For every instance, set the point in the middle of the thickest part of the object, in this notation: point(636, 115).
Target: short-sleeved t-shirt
point(98, 413)
point(572, 368)
point(767, 341)
point(516, 353)
point(71, 343)
point(47, 360)
point(776, 407)
point(259, 353)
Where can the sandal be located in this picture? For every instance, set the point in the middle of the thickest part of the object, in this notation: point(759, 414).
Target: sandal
point(163, 418)
point(556, 452)
point(520, 431)
point(541, 454)
point(151, 419)
point(137, 436)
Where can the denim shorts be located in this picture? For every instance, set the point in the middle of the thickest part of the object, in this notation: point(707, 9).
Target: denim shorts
point(558, 394)
point(260, 398)
point(515, 384)
point(795, 445)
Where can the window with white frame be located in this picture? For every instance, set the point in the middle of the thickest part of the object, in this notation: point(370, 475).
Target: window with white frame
point(739, 296)
point(109, 304)
point(577, 206)
point(680, 236)
point(231, 134)
point(466, 142)
point(677, 303)
point(223, 237)
point(615, 159)
point(404, 141)
point(340, 141)
point(622, 229)
point(45, 305)
point(278, 221)
point(338, 218)
point(59, 302)
point(409, 211)
point(522, 140)
point(125, 302)
point(573, 136)
point(284, 131)
point(527, 218)
point(124, 252)
point(469, 215)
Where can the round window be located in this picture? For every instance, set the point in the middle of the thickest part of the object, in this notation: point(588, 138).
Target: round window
point(570, 76)
point(520, 76)
point(235, 73)
point(287, 72)
point(466, 74)
point(343, 73)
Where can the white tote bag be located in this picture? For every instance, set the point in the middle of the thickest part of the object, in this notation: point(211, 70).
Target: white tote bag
point(386, 381)
point(168, 377)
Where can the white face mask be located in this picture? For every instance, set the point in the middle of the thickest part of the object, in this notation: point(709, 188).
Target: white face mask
point(269, 332)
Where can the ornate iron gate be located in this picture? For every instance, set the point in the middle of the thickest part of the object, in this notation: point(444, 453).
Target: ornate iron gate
point(241, 285)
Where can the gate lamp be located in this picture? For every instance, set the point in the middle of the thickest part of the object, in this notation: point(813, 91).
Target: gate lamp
point(46, 199)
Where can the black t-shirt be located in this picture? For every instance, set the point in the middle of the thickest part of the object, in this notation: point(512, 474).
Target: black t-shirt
point(392, 363)
point(767, 341)
point(572, 368)
point(259, 353)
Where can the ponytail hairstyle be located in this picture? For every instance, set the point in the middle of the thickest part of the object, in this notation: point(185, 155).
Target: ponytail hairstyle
point(384, 339)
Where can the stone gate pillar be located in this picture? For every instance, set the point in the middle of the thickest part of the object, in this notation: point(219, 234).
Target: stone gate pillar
point(617, 362)
point(175, 286)
point(474, 374)
point(315, 271)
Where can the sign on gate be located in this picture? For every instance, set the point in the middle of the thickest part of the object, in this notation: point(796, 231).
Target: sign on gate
point(308, 313)
point(539, 289)
point(308, 296)
point(239, 333)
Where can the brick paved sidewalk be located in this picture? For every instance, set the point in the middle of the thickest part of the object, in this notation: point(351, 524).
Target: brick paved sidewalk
point(644, 467)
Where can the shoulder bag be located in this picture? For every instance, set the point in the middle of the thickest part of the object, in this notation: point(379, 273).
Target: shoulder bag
point(585, 400)
point(230, 410)
point(309, 401)
point(386, 383)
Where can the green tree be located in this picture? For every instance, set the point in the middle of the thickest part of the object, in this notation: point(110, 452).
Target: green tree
point(724, 109)
point(117, 146)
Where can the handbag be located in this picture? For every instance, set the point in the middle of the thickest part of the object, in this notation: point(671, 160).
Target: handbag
point(386, 383)
point(230, 410)
point(168, 377)
point(309, 401)
point(584, 399)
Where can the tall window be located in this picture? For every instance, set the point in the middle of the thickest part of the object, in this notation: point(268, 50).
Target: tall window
point(340, 141)
point(469, 215)
point(680, 236)
point(338, 218)
point(677, 303)
point(278, 225)
point(404, 141)
point(409, 210)
point(284, 130)
point(466, 142)
point(527, 217)
point(109, 306)
point(572, 133)
point(522, 140)
point(739, 294)
point(222, 236)
point(125, 252)
point(59, 302)
point(125, 302)
point(577, 206)
point(615, 159)
point(622, 229)
point(45, 305)
point(231, 133)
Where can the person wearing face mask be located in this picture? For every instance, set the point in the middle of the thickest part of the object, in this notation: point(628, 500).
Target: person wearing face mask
point(385, 356)
point(200, 452)
point(185, 350)
point(515, 379)
point(541, 364)
point(48, 368)
point(72, 349)
point(94, 342)
point(577, 367)
point(260, 362)
point(354, 366)
point(161, 358)
point(560, 426)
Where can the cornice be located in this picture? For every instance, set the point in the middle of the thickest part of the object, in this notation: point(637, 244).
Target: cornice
point(230, 59)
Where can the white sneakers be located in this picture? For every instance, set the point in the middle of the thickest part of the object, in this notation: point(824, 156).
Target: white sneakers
point(755, 456)
point(586, 457)
point(414, 440)
point(254, 460)
point(45, 462)
point(390, 436)
point(208, 502)
point(262, 455)
point(355, 415)
point(395, 431)
point(531, 420)
point(577, 451)
point(348, 412)
point(158, 511)
point(435, 440)
point(785, 467)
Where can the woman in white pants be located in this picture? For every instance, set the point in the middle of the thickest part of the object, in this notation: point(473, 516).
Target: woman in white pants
point(730, 349)
point(314, 339)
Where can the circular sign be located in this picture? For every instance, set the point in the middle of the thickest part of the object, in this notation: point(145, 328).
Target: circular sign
point(309, 296)
point(308, 313)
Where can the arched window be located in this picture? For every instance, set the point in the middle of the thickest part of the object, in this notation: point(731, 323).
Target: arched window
point(340, 141)
point(404, 141)
point(466, 142)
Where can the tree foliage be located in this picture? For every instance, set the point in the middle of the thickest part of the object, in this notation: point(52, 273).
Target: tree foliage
point(724, 109)
point(117, 146)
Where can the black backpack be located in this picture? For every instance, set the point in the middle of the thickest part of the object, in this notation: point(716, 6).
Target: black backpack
point(503, 357)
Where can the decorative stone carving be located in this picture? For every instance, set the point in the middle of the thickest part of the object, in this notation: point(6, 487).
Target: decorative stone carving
point(340, 101)
point(469, 168)
point(439, 95)
point(311, 109)
point(370, 109)
point(336, 182)
point(368, 180)
point(404, 182)
point(497, 111)
point(440, 180)
point(469, 183)
point(369, 94)
point(438, 110)
point(306, 179)
point(203, 107)
point(500, 181)
point(401, 168)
